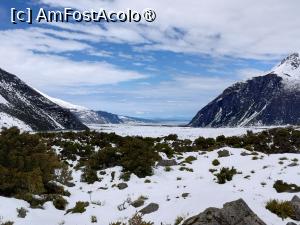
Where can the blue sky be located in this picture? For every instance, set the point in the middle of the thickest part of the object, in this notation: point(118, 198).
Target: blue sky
point(166, 69)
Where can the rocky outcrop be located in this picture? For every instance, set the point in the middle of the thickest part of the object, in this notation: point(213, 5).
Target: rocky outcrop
point(232, 213)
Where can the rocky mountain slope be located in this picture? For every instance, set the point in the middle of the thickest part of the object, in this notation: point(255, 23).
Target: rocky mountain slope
point(88, 116)
point(22, 106)
point(272, 99)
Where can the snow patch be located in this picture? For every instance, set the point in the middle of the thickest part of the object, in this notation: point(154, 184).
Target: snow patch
point(9, 121)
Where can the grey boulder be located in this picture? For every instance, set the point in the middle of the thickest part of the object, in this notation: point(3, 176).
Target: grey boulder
point(152, 207)
point(232, 213)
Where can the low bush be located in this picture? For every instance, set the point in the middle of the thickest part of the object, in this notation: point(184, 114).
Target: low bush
point(283, 209)
point(60, 203)
point(281, 186)
point(215, 162)
point(80, 207)
point(225, 174)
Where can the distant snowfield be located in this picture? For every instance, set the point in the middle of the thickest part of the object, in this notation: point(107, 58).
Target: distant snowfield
point(160, 131)
point(166, 189)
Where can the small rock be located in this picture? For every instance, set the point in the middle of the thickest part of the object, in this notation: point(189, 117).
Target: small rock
point(152, 207)
point(122, 186)
point(291, 223)
point(223, 153)
point(185, 195)
point(166, 162)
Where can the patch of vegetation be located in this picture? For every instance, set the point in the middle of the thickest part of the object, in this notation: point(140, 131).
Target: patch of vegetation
point(186, 169)
point(281, 187)
point(215, 162)
point(93, 219)
point(80, 207)
point(178, 220)
point(136, 219)
point(225, 174)
point(60, 203)
point(189, 159)
point(168, 169)
point(27, 165)
point(283, 209)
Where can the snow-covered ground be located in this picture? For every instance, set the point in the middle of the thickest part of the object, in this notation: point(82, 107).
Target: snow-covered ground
point(161, 130)
point(166, 190)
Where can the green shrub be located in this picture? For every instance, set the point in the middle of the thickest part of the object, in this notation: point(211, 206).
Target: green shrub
point(89, 175)
point(186, 169)
point(283, 209)
point(215, 162)
point(27, 163)
point(60, 203)
point(281, 186)
point(189, 159)
point(79, 207)
point(168, 169)
point(7, 223)
point(225, 174)
point(93, 219)
point(125, 176)
point(178, 220)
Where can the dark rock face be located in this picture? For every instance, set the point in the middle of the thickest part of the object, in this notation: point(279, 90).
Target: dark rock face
point(259, 101)
point(152, 207)
point(29, 106)
point(232, 213)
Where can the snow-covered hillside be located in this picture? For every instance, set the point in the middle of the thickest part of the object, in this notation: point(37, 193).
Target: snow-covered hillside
point(22, 106)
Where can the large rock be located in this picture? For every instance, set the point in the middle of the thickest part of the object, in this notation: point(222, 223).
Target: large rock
point(295, 202)
point(152, 207)
point(232, 213)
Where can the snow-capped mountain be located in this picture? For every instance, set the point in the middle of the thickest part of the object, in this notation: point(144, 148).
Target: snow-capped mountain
point(22, 106)
point(88, 116)
point(272, 99)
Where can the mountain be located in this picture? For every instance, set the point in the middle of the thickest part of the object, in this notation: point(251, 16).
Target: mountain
point(22, 106)
point(88, 116)
point(272, 99)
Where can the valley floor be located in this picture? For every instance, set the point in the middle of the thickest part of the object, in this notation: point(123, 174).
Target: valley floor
point(164, 130)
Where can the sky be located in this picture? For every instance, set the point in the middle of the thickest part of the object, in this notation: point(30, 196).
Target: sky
point(169, 68)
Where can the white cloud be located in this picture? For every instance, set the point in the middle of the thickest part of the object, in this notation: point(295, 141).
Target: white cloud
point(28, 54)
point(182, 95)
point(261, 30)
point(249, 73)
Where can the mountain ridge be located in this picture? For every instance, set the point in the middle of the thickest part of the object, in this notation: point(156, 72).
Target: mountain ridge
point(271, 99)
point(23, 103)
